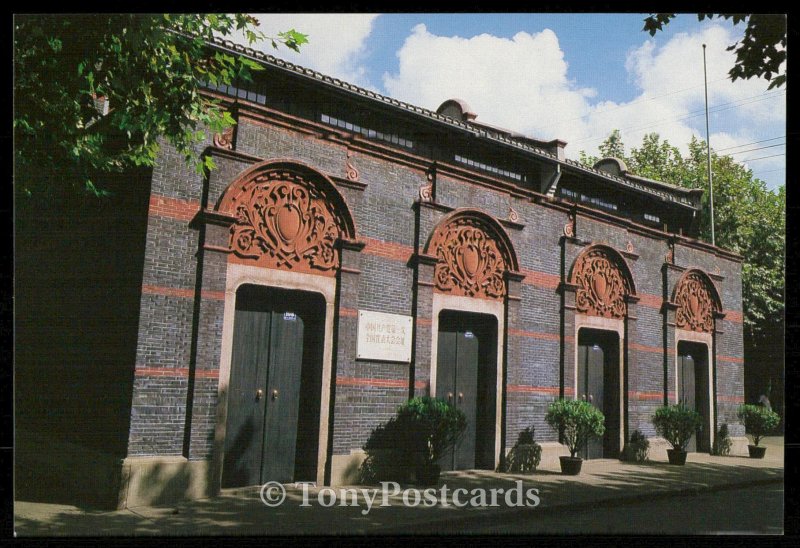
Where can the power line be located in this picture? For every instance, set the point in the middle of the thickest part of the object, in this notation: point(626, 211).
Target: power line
point(770, 171)
point(751, 143)
point(757, 148)
point(761, 158)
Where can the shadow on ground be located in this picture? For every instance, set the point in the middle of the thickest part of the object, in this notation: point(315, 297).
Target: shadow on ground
point(241, 512)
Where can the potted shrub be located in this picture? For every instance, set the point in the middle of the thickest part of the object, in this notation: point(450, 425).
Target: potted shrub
point(525, 456)
point(434, 427)
point(577, 421)
point(388, 454)
point(758, 421)
point(677, 424)
point(413, 441)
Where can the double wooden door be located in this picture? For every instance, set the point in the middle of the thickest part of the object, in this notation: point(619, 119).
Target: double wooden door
point(271, 339)
point(465, 376)
point(598, 383)
point(693, 388)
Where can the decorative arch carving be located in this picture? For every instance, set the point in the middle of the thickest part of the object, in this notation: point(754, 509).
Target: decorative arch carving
point(287, 216)
point(474, 253)
point(603, 282)
point(697, 301)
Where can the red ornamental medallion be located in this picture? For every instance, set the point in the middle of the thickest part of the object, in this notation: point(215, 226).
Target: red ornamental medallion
point(470, 261)
point(695, 304)
point(283, 222)
point(602, 287)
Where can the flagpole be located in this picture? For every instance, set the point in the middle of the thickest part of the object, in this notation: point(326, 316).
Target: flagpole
point(708, 150)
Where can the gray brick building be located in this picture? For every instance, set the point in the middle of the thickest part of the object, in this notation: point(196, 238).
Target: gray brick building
point(525, 277)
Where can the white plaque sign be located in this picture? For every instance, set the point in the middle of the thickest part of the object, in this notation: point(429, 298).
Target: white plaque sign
point(385, 337)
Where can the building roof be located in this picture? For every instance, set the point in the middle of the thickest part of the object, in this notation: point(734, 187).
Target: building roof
point(664, 191)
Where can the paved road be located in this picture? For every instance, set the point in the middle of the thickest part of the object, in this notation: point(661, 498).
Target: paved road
point(752, 510)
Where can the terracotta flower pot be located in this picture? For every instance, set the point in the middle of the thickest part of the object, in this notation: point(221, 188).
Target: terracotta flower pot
point(676, 457)
point(756, 451)
point(571, 466)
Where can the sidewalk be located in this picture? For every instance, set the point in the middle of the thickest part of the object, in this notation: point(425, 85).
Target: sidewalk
point(241, 511)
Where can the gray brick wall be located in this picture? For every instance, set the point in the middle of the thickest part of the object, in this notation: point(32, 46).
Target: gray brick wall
point(384, 211)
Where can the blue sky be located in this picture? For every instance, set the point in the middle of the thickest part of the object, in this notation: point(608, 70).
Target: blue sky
point(571, 76)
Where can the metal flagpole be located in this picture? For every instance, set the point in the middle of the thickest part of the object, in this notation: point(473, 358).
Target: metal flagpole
point(708, 150)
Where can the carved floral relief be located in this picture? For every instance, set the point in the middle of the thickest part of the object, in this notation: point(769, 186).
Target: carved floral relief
point(470, 262)
point(602, 287)
point(284, 222)
point(695, 304)
point(224, 139)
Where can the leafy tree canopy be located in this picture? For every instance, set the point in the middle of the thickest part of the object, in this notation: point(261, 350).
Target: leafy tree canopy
point(761, 51)
point(148, 69)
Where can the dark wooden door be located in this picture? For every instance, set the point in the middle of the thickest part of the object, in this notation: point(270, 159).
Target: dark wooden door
point(458, 358)
point(687, 393)
point(266, 367)
point(591, 387)
point(466, 393)
point(282, 395)
point(245, 424)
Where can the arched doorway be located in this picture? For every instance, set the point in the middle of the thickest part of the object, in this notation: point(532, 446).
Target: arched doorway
point(285, 222)
point(473, 256)
point(273, 396)
point(603, 285)
point(697, 301)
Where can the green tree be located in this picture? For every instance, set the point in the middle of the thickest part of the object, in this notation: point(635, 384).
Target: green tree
point(148, 68)
point(761, 51)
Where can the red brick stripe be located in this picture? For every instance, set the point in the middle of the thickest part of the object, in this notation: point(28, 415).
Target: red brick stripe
point(173, 208)
point(730, 359)
point(645, 396)
point(534, 334)
point(554, 390)
point(541, 279)
point(181, 292)
point(650, 301)
point(175, 372)
point(388, 250)
point(347, 312)
point(379, 383)
point(653, 349)
point(730, 398)
point(734, 316)
point(400, 252)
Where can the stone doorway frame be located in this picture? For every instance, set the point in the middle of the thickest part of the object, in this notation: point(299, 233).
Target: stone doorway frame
point(583, 321)
point(328, 281)
point(489, 308)
point(619, 318)
point(475, 298)
point(238, 275)
point(683, 335)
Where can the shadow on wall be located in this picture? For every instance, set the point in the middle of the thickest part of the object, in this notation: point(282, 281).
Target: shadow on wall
point(78, 280)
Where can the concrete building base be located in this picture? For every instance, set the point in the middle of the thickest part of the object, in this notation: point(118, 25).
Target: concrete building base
point(148, 481)
point(739, 446)
point(345, 468)
point(551, 450)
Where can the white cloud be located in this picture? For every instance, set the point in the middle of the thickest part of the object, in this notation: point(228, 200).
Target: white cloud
point(523, 83)
point(336, 41)
point(520, 83)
